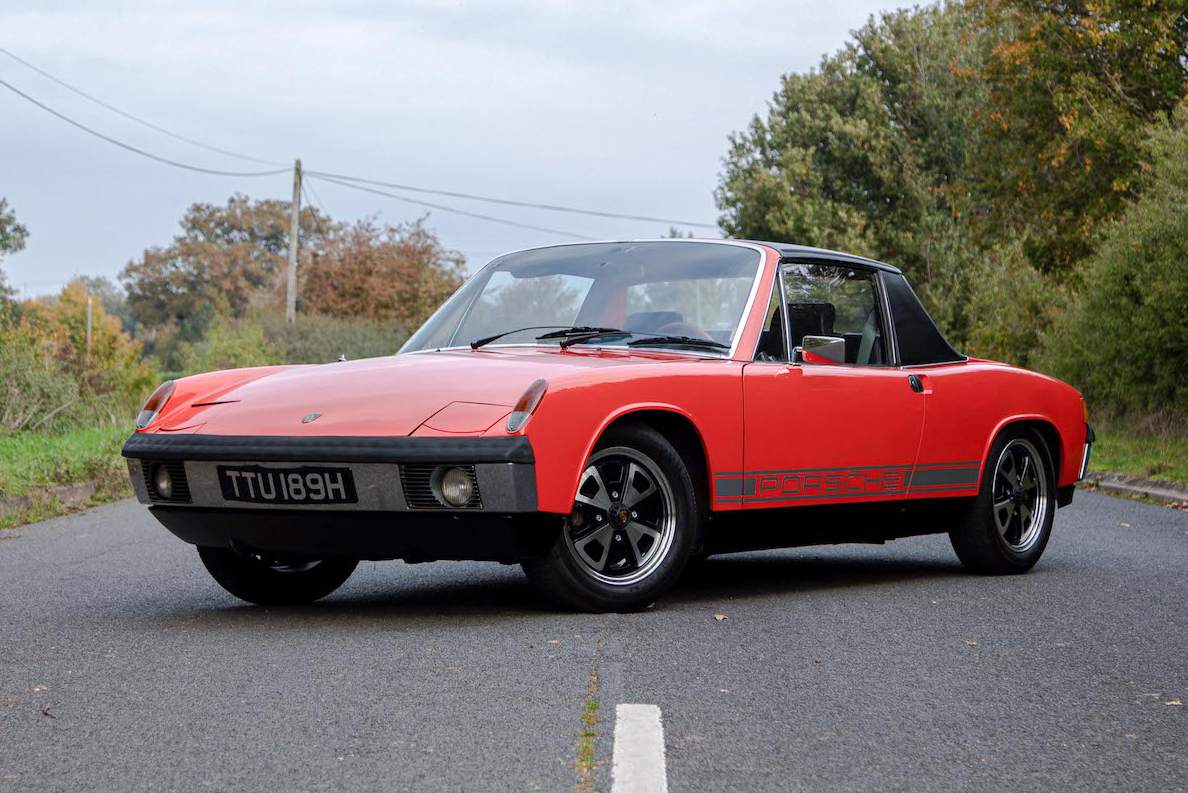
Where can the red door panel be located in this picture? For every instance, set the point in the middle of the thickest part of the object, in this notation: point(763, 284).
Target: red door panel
point(819, 434)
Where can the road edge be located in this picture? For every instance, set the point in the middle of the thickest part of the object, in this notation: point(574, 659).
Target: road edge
point(1122, 484)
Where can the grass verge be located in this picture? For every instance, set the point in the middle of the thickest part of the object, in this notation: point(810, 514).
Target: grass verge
point(584, 765)
point(34, 468)
point(1162, 455)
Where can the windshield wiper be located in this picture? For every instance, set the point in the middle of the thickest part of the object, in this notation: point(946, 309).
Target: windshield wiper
point(592, 334)
point(578, 330)
point(556, 334)
point(678, 340)
point(650, 338)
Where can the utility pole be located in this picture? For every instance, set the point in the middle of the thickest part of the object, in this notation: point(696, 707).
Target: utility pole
point(294, 231)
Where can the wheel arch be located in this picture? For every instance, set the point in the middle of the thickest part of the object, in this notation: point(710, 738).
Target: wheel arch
point(678, 428)
point(1042, 425)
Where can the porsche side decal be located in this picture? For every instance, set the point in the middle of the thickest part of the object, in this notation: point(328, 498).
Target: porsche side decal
point(875, 480)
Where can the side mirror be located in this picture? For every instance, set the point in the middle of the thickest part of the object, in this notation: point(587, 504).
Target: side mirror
point(822, 349)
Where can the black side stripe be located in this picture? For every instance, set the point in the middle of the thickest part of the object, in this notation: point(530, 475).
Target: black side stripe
point(818, 483)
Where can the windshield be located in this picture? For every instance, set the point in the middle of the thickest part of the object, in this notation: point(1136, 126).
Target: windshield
point(672, 293)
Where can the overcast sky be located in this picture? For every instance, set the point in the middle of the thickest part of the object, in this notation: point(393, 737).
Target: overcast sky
point(617, 106)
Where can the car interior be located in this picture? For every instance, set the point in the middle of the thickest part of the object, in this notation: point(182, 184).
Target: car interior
point(863, 348)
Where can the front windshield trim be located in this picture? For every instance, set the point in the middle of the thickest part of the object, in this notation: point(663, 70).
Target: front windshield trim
point(735, 341)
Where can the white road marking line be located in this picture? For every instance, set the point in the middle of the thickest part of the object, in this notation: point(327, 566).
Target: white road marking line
point(638, 764)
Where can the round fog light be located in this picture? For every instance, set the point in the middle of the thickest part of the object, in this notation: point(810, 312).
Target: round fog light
point(456, 488)
point(163, 482)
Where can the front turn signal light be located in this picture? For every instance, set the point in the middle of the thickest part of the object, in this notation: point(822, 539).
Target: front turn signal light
point(1085, 409)
point(152, 408)
point(526, 406)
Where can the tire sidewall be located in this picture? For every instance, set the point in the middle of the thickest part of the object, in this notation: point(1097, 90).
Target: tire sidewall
point(1000, 557)
point(250, 579)
point(564, 578)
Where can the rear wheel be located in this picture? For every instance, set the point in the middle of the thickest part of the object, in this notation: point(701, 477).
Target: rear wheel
point(1006, 528)
point(633, 526)
point(272, 579)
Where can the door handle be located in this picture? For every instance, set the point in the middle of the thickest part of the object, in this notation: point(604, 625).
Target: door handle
point(916, 384)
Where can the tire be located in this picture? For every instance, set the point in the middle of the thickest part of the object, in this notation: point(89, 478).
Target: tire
point(635, 524)
point(1007, 526)
point(275, 581)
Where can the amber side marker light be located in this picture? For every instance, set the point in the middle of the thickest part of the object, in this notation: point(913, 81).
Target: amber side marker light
point(152, 408)
point(526, 406)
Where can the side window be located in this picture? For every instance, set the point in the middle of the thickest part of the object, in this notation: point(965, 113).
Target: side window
point(771, 346)
point(838, 301)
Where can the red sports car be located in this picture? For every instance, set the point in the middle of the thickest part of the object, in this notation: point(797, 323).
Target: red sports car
point(602, 414)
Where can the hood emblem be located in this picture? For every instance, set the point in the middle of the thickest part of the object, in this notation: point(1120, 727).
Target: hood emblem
point(309, 417)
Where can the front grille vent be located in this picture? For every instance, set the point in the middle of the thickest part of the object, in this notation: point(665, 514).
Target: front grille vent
point(419, 483)
point(177, 473)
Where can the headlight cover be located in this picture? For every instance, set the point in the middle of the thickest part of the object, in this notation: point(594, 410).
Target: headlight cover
point(152, 408)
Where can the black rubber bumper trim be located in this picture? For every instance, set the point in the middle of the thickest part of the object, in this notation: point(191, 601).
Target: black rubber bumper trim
point(339, 449)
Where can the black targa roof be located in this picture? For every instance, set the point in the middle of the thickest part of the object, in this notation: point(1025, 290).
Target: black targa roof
point(806, 251)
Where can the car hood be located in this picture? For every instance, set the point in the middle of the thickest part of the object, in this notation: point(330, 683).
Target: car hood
point(393, 395)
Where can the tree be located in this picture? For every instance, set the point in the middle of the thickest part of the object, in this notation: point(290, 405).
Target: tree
point(110, 367)
point(1072, 87)
point(225, 258)
point(1124, 341)
point(12, 240)
point(868, 153)
point(381, 272)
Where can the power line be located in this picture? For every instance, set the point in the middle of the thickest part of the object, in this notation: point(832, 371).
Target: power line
point(137, 119)
point(318, 212)
point(320, 203)
point(510, 202)
point(407, 200)
point(133, 149)
point(344, 180)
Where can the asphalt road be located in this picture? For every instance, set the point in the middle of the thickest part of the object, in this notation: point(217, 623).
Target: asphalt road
point(124, 668)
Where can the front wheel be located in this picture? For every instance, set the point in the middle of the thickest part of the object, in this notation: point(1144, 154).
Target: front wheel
point(272, 580)
point(1006, 528)
point(634, 525)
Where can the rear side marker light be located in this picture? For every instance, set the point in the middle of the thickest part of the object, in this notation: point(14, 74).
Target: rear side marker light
point(526, 406)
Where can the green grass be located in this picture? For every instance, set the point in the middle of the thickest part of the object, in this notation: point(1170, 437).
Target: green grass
point(32, 464)
point(584, 764)
point(1162, 455)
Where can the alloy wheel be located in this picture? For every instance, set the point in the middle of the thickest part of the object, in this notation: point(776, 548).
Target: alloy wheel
point(1020, 495)
point(623, 520)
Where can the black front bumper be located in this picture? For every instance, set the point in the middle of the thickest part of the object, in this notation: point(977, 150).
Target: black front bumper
point(339, 449)
point(388, 521)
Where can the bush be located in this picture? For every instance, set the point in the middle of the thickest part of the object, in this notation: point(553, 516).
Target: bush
point(229, 345)
point(1011, 305)
point(1124, 341)
point(52, 381)
point(34, 389)
point(318, 339)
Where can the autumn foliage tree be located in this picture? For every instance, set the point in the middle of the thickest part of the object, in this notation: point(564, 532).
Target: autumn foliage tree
point(1073, 86)
point(386, 272)
point(226, 258)
point(868, 152)
point(981, 145)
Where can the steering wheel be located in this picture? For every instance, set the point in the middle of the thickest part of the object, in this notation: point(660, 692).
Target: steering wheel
point(684, 329)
